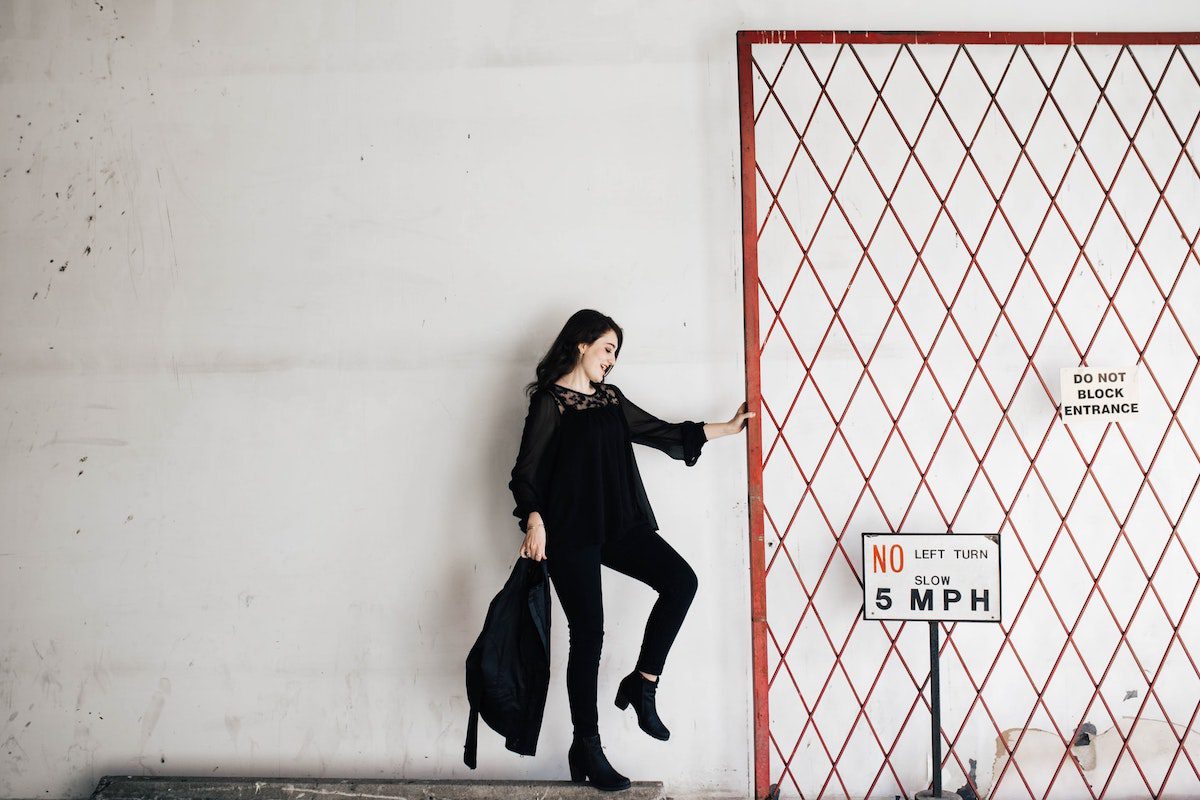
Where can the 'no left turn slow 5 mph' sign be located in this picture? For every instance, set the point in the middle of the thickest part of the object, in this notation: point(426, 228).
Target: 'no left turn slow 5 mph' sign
point(950, 577)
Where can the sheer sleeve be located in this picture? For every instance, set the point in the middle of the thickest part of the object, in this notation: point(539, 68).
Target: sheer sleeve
point(680, 440)
point(541, 423)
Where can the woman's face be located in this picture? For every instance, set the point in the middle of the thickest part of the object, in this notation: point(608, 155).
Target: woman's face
point(597, 358)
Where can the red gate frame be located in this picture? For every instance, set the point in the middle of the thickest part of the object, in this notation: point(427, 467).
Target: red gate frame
point(750, 286)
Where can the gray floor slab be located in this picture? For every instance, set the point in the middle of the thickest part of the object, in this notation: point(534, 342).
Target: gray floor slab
point(140, 787)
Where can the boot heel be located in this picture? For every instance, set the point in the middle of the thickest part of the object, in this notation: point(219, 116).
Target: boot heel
point(622, 701)
point(577, 771)
point(587, 756)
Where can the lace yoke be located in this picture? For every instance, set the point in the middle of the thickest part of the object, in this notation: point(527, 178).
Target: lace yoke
point(569, 398)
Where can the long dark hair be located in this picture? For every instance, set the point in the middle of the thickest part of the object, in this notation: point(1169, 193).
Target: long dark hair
point(584, 327)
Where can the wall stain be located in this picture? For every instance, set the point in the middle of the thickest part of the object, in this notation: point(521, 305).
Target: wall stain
point(154, 710)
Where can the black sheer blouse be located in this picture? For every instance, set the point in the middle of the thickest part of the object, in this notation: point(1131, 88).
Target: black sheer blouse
point(577, 469)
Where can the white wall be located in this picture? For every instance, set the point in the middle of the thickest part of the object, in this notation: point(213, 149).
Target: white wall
point(257, 433)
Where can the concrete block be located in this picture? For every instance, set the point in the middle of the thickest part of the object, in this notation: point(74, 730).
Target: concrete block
point(142, 787)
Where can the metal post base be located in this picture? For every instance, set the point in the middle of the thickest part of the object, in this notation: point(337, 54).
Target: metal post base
point(929, 795)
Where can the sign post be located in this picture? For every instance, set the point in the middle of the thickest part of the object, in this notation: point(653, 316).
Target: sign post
point(932, 577)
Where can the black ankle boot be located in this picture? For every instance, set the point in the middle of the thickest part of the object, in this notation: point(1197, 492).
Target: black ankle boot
point(586, 760)
point(637, 690)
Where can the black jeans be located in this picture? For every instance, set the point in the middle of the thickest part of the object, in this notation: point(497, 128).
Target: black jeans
point(576, 579)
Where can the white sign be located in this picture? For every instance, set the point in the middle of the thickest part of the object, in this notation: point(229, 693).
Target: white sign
point(1103, 395)
point(931, 576)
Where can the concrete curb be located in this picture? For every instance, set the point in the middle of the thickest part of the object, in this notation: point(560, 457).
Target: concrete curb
point(142, 787)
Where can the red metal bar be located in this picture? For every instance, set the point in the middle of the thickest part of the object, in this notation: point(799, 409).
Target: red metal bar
point(967, 37)
point(758, 590)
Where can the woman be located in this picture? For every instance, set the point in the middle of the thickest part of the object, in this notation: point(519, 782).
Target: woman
point(581, 503)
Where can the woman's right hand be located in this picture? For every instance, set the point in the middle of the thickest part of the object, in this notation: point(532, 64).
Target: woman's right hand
point(534, 545)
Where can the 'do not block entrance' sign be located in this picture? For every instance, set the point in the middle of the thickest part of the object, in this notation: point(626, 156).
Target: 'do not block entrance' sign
point(1099, 394)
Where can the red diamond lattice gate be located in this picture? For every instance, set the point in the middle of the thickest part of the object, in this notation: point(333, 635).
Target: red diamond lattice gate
point(934, 225)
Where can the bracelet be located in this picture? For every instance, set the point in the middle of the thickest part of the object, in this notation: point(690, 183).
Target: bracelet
point(535, 525)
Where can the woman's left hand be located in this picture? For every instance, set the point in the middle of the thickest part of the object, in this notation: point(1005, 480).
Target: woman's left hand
point(740, 419)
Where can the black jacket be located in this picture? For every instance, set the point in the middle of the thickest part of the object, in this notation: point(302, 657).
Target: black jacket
point(508, 668)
